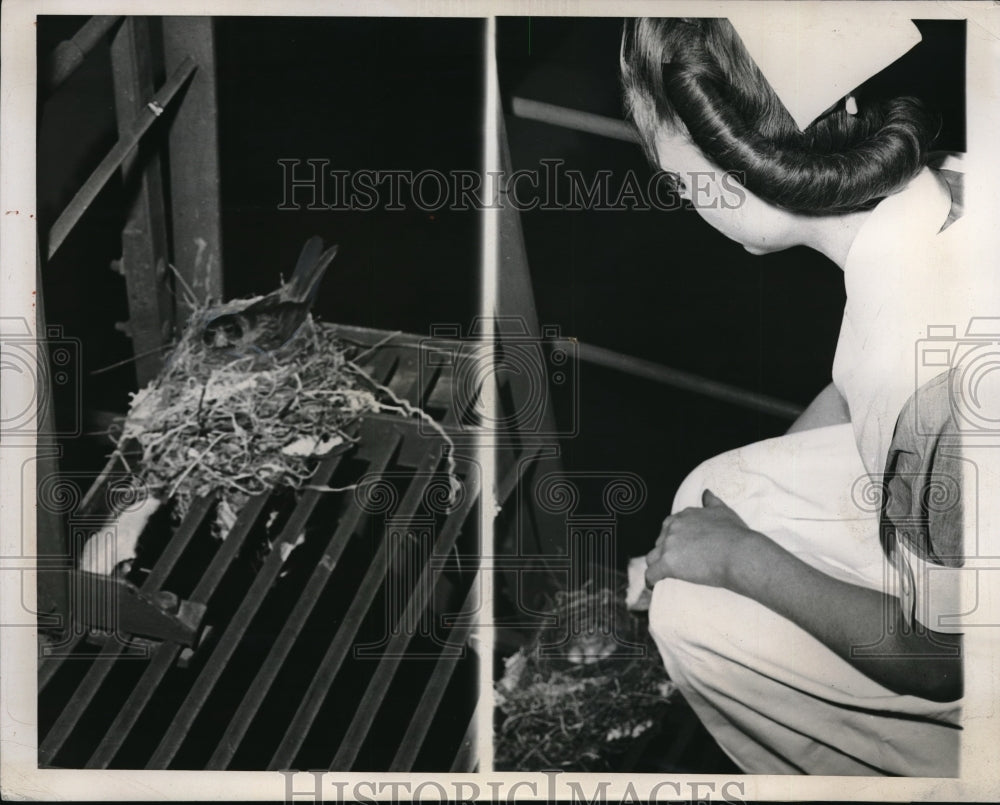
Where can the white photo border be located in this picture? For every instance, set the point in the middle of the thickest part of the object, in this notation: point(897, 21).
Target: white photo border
point(19, 776)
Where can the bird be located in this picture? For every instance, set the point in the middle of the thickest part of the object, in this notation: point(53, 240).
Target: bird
point(258, 327)
point(265, 325)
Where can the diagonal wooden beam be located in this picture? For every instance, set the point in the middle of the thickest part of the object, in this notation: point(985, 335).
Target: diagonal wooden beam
point(567, 118)
point(112, 161)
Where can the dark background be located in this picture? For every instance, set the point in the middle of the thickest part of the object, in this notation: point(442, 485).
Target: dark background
point(664, 285)
point(373, 94)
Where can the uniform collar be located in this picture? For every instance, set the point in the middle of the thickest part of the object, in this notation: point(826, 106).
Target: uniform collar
point(918, 211)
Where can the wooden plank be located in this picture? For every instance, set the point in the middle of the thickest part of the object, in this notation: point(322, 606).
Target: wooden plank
point(85, 196)
point(83, 695)
point(312, 700)
point(563, 116)
point(52, 544)
point(178, 542)
point(345, 633)
point(216, 664)
point(112, 649)
point(433, 695)
point(516, 298)
point(144, 239)
point(419, 599)
point(467, 757)
point(69, 54)
point(49, 665)
point(193, 142)
point(687, 381)
point(370, 336)
point(166, 654)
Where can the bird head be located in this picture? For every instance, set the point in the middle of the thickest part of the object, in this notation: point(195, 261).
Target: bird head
point(224, 332)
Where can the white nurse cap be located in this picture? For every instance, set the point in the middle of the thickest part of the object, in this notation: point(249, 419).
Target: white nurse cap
point(813, 55)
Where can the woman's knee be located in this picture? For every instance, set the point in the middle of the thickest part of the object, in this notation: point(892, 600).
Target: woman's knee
point(673, 616)
point(690, 491)
point(692, 625)
point(720, 474)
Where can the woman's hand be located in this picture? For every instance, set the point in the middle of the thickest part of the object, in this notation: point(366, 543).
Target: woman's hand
point(698, 545)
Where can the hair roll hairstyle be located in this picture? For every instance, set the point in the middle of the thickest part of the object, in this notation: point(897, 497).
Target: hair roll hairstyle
point(696, 76)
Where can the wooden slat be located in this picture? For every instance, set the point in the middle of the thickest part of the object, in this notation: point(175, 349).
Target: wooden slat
point(49, 666)
point(83, 694)
point(405, 382)
point(144, 238)
point(112, 649)
point(69, 54)
point(195, 199)
point(371, 336)
point(466, 757)
point(52, 545)
point(382, 365)
point(203, 686)
point(687, 381)
point(433, 695)
point(312, 701)
point(345, 633)
point(166, 654)
point(375, 693)
point(167, 561)
point(309, 707)
point(601, 125)
point(85, 196)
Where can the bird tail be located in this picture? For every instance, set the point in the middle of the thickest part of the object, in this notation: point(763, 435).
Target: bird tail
point(309, 270)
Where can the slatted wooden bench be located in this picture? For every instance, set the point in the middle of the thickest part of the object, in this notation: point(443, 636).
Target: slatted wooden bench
point(338, 655)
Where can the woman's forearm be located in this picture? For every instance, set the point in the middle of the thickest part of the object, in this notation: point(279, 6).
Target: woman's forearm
point(862, 626)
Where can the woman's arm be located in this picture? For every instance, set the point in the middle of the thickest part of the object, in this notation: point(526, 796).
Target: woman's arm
point(847, 619)
point(714, 546)
point(829, 408)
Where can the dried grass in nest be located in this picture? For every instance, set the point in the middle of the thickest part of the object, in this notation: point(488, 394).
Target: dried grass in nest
point(242, 426)
point(584, 711)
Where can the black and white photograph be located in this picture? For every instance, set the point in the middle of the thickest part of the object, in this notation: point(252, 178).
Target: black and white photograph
point(260, 488)
point(495, 401)
point(699, 257)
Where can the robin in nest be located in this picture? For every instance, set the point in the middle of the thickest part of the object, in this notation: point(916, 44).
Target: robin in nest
point(267, 324)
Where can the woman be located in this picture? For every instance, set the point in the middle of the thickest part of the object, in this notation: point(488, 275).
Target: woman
point(801, 595)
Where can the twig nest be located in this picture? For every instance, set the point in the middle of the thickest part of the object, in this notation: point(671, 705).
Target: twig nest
point(312, 446)
point(241, 425)
point(580, 703)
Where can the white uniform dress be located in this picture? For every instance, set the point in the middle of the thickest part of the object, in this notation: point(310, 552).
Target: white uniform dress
point(774, 697)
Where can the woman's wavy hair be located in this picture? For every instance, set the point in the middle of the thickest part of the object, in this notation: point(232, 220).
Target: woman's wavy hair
point(696, 76)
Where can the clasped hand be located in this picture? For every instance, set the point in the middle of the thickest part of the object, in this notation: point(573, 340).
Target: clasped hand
point(698, 545)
